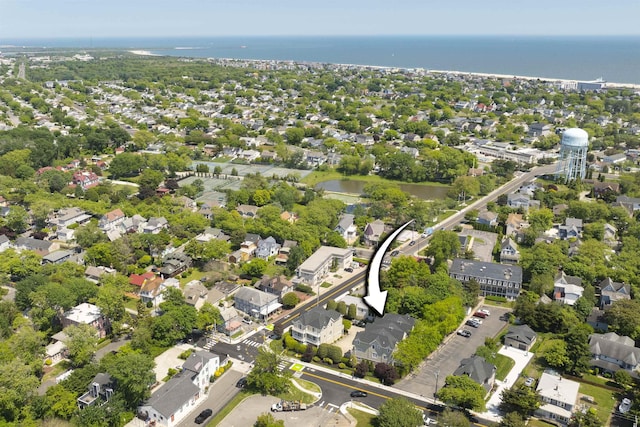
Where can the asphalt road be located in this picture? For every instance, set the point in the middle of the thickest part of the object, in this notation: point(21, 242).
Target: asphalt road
point(245, 351)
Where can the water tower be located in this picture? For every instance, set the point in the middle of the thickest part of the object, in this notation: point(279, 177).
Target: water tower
point(573, 154)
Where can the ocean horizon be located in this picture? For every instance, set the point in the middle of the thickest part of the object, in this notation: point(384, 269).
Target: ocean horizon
point(614, 58)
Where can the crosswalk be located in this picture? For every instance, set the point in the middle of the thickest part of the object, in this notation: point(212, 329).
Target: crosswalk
point(330, 407)
point(251, 343)
point(210, 343)
point(282, 366)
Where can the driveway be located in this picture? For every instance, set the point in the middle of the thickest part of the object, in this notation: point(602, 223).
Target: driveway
point(446, 359)
point(246, 413)
point(169, 359)
point(482, 243)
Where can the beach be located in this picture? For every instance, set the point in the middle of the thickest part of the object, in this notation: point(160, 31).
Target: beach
point(143, 53)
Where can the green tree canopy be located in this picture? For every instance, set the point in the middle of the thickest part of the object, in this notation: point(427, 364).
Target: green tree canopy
point(398, 412)
point(464, 392)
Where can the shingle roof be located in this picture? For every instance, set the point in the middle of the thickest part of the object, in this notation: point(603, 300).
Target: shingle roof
point(172, 395)
point(486, 269)
point(478, 369)
point(318, 318)
point(521, 333)
point(614, 346)
point(255, 296)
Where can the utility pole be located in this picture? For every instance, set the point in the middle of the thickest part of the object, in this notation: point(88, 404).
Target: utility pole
point(435, 394)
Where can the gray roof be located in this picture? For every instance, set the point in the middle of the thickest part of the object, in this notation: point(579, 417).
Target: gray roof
point(57, 256)
point(197, 360)
point(255, 296)
point(614, 346)
point(3, 239)
point(486, 269)
point(478, 369)
point(569, 280)
point(521, 333)
point(345, 221)
point(102, 379)
point(30, 243)
point(387, 331)
point(173, 394)
point(318, 318)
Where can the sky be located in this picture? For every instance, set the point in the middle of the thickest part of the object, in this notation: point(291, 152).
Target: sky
point(50, 19)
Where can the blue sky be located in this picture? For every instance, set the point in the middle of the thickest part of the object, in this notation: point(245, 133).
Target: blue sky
point(21, 19)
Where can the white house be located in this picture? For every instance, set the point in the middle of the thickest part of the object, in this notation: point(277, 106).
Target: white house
point(317, 266)
point(347, 228)
point(182, 394)
point(317, 326)
point(559, 397)
point(567, 289)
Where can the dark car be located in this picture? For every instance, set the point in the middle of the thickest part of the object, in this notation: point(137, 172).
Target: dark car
point(394, 253)
point(349, 270)
point(480, 314)
point(413, 242)
point(473, 323)
point(242, 382)
point(464, 333)
point(358, 393)
point(203, 416)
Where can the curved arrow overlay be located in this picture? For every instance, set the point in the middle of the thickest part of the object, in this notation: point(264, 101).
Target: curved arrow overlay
point(375, 298)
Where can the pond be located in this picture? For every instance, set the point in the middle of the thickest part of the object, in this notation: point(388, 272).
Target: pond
point(426, 192)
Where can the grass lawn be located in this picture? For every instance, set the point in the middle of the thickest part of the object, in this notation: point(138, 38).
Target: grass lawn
point(363, 419)
point(195, 275)
point(229, 407)
point(316, 177)
point(534, 422)
point(56, 370)
point(325, 285)
point(295, 393)
point(605, 400)
point(221, 159)
point(504, 365)
point(131, 303)
point(308, 385)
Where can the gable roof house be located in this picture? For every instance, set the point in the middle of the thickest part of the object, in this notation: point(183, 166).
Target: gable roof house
point(611, 292)
point(87, 314)
point(195, 293)
point(174, 264)
point(66, 217)
point(41, 247)
point(247, 211)
point(111, 220)
point(379, 339)
point(519, 200)
point(567, 289)
point(502, 280)
point(611, 352)
point(155, 225)
point(479, 370)
point(283, 254)
point(85, 179)
point(603, 189)
point(373, 232)
point(346, 228)
point(362, 309)
point(488, 218)
point(509, 253)
point(515, 226)
point(572, 228)
point(256, 303)
point(521, 337)
point(176, 398)
point(559, 397)
point(278, 285)
point(152, 290)
point(317, 326)
point(100, 391)
point(267, 248)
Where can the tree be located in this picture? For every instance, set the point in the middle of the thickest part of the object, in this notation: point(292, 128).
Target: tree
point(578, 351)
point(17, 219)
point(208, 316)
point(266, 377)
point(352, 311)
point(512, 419)
point(398, 413)
point(134, 374)
point(255, 267)
point(149, 181)
point(267, 420)
point(81, 344)
point(444, 245)
point(522, 400)
point(623, 318)
point(464, 392)
point(18, 385)
point(385, 373)
point(59, 402)
point(623, 378)
point(588, 418)
point(332, 304)
point(556, 354)
point(110, 301)
point(290, 300)
point(452, 418)
point(362, 369)
point(541, 219)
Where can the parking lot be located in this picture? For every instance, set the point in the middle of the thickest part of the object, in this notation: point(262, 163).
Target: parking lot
point(446, 359)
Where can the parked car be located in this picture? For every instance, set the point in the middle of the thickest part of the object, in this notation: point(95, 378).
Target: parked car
point(395, 253)
point(529, 381)
point(358, 393)
point(479, 314)
point(471, 322)
point(203, 416)
point(349, 270)
point(477, 320)
point(485, 311)
point(464, 333)
point(411, 243)
point(242, 382)
point(625, 405)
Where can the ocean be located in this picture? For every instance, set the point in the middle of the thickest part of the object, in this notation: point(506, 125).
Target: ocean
point(615, 59)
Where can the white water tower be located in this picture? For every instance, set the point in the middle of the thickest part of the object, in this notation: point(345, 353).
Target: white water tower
point(573, 155)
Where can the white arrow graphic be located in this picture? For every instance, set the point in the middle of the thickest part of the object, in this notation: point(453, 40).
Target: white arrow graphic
point(375, 298)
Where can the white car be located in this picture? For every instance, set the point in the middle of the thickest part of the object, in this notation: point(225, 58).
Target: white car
point(625, 406)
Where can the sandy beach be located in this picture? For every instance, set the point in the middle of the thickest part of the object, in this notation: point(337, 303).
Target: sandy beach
point(143, 53)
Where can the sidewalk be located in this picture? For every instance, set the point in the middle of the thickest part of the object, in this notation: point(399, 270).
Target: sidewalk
point(522, 358)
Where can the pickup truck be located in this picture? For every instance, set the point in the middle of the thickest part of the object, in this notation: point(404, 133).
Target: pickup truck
point(285, 405)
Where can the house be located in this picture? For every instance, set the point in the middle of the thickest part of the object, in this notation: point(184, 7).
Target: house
point(317, 326)
point(155, 225)
point(209, 234)
point(605, 188)
point(509, 253)
point(65, 234)
point(488, 218)
point(85, 179)
point(631, 204)
point(611, 352)
point(195, 293)
point(57, 257)
point(362, 309)
point(41, 247)
point(559, 209)
point(515, 226)
point(520, 200)
point(611, 292)
point(572, 229)
point(66, 217)
point(247, 211)
point(141, 279)
point(559, 397)
point(177, 398)
point(347, 228)
point(610, 233)
point(315, 268)
point(100, 391)
point(615, 158)
point(495, 279)
point(5, 243)
point(373, 232)
point(278, 285)
point(111, 220)
point(93, 274)
point(135, 224)
point(283, 254)
point(152, 290)
point(539, 129)
point(290, 217)
point(521, 337)
point(57, 350)
point(567, 289)
point(232, 321)
point(267, 248)
point(256, 303)
point(379, 339)
point(174, 264)
point(479, 370)
point(87, 314)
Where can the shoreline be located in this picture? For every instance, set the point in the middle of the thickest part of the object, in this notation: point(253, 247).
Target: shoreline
point(144, 53)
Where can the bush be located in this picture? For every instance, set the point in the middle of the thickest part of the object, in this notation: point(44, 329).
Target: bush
point(362, 369)
point(342, 365)
point(304, 288)
point(185, 354)
point(328, 361)
point(48, 362)
point(171, 372)
point(495, 298)
point(316, 359)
